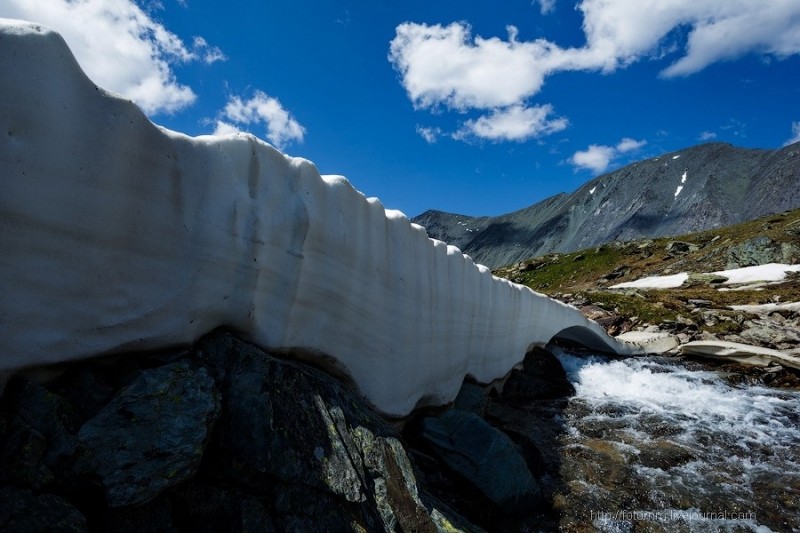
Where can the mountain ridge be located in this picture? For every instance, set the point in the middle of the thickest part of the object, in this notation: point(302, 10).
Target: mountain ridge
point(700, 187)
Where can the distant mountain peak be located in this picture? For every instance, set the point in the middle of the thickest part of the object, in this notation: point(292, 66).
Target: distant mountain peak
point(699, 187)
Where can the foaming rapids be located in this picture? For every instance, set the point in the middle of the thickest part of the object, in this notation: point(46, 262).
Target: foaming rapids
point(679, 447)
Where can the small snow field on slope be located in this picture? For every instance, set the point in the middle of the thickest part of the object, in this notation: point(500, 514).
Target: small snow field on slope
point(767, 273)
point(585, 276)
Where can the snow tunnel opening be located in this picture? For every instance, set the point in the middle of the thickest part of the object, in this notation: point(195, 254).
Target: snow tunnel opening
point(581, 338)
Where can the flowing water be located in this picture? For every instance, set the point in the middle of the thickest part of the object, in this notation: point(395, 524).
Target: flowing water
point(651, 444)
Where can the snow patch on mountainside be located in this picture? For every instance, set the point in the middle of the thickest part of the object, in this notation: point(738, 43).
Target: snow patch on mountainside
point(767, 273)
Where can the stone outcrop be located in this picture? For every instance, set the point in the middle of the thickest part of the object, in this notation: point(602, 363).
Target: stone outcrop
point(220, 437)
point(761, 251)
point(152, 434)
point(225, 436)
point(484, 457)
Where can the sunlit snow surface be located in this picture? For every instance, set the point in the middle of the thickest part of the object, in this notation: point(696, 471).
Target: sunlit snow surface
point(118, 235)
point(740, 438)
point(654, 282)
point(768, 272)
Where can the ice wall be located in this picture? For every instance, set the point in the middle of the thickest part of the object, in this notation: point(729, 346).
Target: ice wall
point(118, 235)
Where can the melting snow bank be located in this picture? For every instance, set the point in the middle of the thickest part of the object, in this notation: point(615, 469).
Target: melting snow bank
point(650, 441)
point(118, 235)
point(741, 353)
point(769, 272)
point(766, 309)
point(654, 282)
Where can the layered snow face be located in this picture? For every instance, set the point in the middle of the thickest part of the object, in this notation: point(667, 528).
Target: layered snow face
point(118, 235)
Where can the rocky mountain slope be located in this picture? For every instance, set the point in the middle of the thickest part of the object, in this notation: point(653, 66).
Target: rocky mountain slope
point(702, 187)
point(704, 307)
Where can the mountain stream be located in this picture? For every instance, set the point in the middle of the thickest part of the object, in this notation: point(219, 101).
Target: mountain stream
point(660, 444)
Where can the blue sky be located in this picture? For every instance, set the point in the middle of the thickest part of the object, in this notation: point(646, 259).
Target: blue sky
point(473, 107)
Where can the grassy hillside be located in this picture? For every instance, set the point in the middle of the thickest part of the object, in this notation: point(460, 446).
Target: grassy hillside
point(587, 274)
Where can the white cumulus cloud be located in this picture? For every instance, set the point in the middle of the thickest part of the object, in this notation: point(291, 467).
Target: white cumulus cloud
point(430, 134)
point(261, 109)
point(514, 123)
point(795, 134)
point(628, 145)
point(546, 6)
point(707, 136)
point(209, 54)
point(447, 66)
point(597, 157)
point(120, 47)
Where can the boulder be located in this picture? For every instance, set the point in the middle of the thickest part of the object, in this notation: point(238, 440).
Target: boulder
point(541, 363)
point(681, 248)
point(152, 434)
point(36, 444)
point(220, 437)
point(618, 272)
point(297, 433)
point(696, 278)
point(521, 386)
point(761, 251)
point(472, 398)
point(534, 432)
point(769, 333)
point(663, 454)
point(44, 414)
point(541, 378)
point(485, 458)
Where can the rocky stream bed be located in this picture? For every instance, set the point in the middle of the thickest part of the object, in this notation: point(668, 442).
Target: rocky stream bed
point(225, 437)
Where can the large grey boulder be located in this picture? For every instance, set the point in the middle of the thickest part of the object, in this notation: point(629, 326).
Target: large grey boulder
point(769, 333)
point(222, 436)
point(761, 251)
point(472, 398)
point(334, 461)
point(541, 378)
point(484, 457)
point(153, 433)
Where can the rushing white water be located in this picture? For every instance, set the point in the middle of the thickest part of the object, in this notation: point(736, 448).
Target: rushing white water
point(702, 454)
